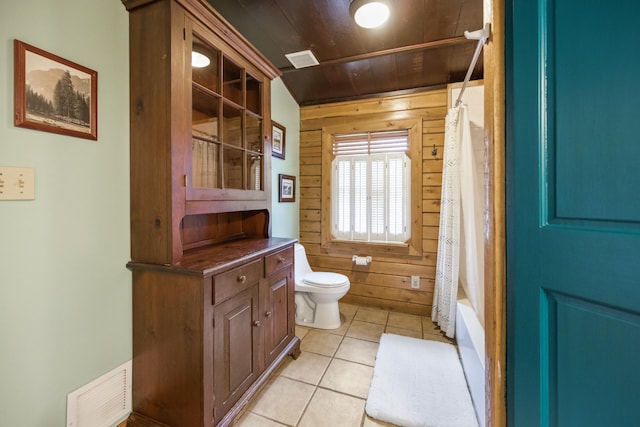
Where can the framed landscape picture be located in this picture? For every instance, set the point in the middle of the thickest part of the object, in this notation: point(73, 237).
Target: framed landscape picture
point(278, 140)
point(287, 192)
point(52, 94)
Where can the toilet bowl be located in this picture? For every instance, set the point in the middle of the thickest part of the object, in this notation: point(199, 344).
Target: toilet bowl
point(317, 293)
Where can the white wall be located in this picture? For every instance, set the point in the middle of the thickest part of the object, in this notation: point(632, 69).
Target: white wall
point(65, 293)
point(284, 110)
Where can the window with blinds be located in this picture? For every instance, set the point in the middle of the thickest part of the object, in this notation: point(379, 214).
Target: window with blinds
point(370, 186)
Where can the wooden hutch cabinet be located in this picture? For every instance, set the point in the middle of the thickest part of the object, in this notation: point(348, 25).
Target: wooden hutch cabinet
point(213, 310)
point(207, 333)
point(199, 130)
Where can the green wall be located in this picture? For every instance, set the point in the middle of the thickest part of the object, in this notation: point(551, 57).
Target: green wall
point(65, 293)
point(285, 216)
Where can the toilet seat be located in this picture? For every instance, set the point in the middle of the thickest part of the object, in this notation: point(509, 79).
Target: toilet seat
point(323, 279)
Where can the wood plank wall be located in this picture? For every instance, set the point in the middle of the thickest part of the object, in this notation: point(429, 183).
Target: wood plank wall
point(386, 282)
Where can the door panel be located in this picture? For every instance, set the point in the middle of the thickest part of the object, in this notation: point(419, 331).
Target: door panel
point(278, 327)
point(573, 213)
point(591, 112)
point(235, 348)
point(586, 356)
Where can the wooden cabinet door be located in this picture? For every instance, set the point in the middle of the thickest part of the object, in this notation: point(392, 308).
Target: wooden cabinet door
point(278, 325)
point(228, 129)
point(236, 337)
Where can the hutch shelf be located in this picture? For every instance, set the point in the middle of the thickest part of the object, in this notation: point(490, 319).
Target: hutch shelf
point(213, 310)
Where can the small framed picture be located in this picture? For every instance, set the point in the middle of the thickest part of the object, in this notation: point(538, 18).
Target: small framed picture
point(52, 94)
point(287, 191)
point(278, 140)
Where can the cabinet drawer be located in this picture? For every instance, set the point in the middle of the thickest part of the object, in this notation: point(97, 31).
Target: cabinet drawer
point(232, 282)
point(278, 260)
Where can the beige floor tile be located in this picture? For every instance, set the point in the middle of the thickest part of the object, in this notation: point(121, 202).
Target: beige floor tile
point(348, 310)
point(437, 337)
point(372, 422)
point(328, 408)
point(344, 327)
point(403, 332)
point(428, 326)
point(308, 368)
point(405, 321)
point(321, 342)
point(283, 400)
point(328, 384)
point(250, 419)
point(359, 351)
point(372, 315)
point(301, 331)
point(365, 331)
point(282, 367)
point(348, 377)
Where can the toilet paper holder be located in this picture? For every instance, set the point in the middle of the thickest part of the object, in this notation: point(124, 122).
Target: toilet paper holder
point(361, 260)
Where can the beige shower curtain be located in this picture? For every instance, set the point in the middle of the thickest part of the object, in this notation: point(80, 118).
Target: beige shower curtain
point(460, 254)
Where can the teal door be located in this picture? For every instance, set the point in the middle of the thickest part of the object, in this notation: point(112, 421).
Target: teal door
point(573, 212)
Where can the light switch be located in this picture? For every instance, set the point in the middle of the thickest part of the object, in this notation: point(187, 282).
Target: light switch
point(17, 183)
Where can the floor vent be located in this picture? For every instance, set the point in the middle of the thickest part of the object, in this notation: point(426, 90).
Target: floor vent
point(103, 402)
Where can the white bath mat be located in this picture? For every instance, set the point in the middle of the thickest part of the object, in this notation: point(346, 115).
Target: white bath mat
point(419, 383)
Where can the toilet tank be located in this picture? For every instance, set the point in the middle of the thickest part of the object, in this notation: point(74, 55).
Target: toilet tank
point(301, 263)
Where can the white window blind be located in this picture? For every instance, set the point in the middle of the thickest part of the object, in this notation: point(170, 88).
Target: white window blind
point(371, 187)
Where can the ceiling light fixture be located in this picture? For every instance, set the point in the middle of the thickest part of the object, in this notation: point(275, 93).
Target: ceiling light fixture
point(370, 13)
point(199, 60)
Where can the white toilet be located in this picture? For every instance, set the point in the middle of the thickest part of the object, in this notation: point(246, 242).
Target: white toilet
point(317, 294)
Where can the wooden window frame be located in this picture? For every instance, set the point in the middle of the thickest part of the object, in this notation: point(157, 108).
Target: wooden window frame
point(413, 246)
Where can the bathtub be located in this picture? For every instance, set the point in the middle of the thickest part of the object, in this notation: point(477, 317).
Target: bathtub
point(470, 340)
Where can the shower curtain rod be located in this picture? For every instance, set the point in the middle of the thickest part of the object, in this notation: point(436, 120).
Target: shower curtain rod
point(481, 35)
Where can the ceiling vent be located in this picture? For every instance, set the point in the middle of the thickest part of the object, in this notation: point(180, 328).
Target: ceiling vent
point(302, 59)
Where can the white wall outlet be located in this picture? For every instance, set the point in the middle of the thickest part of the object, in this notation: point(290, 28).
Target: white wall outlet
point(415, 282)
point(17, 183)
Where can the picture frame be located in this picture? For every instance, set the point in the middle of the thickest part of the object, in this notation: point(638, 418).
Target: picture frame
point(279, 133)
point(287, 188)
point(53, 94)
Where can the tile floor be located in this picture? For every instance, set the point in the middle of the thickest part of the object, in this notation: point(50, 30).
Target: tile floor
point(328, 384)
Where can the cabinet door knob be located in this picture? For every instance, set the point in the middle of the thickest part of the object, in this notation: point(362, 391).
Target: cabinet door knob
point(280, 258)
point(268, 314)
point(256, 323)
point(242, 278)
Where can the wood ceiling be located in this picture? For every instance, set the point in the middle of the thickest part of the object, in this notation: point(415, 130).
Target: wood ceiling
point(421, 46)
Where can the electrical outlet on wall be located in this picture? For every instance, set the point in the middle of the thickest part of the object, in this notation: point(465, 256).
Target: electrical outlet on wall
point(415, 282)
